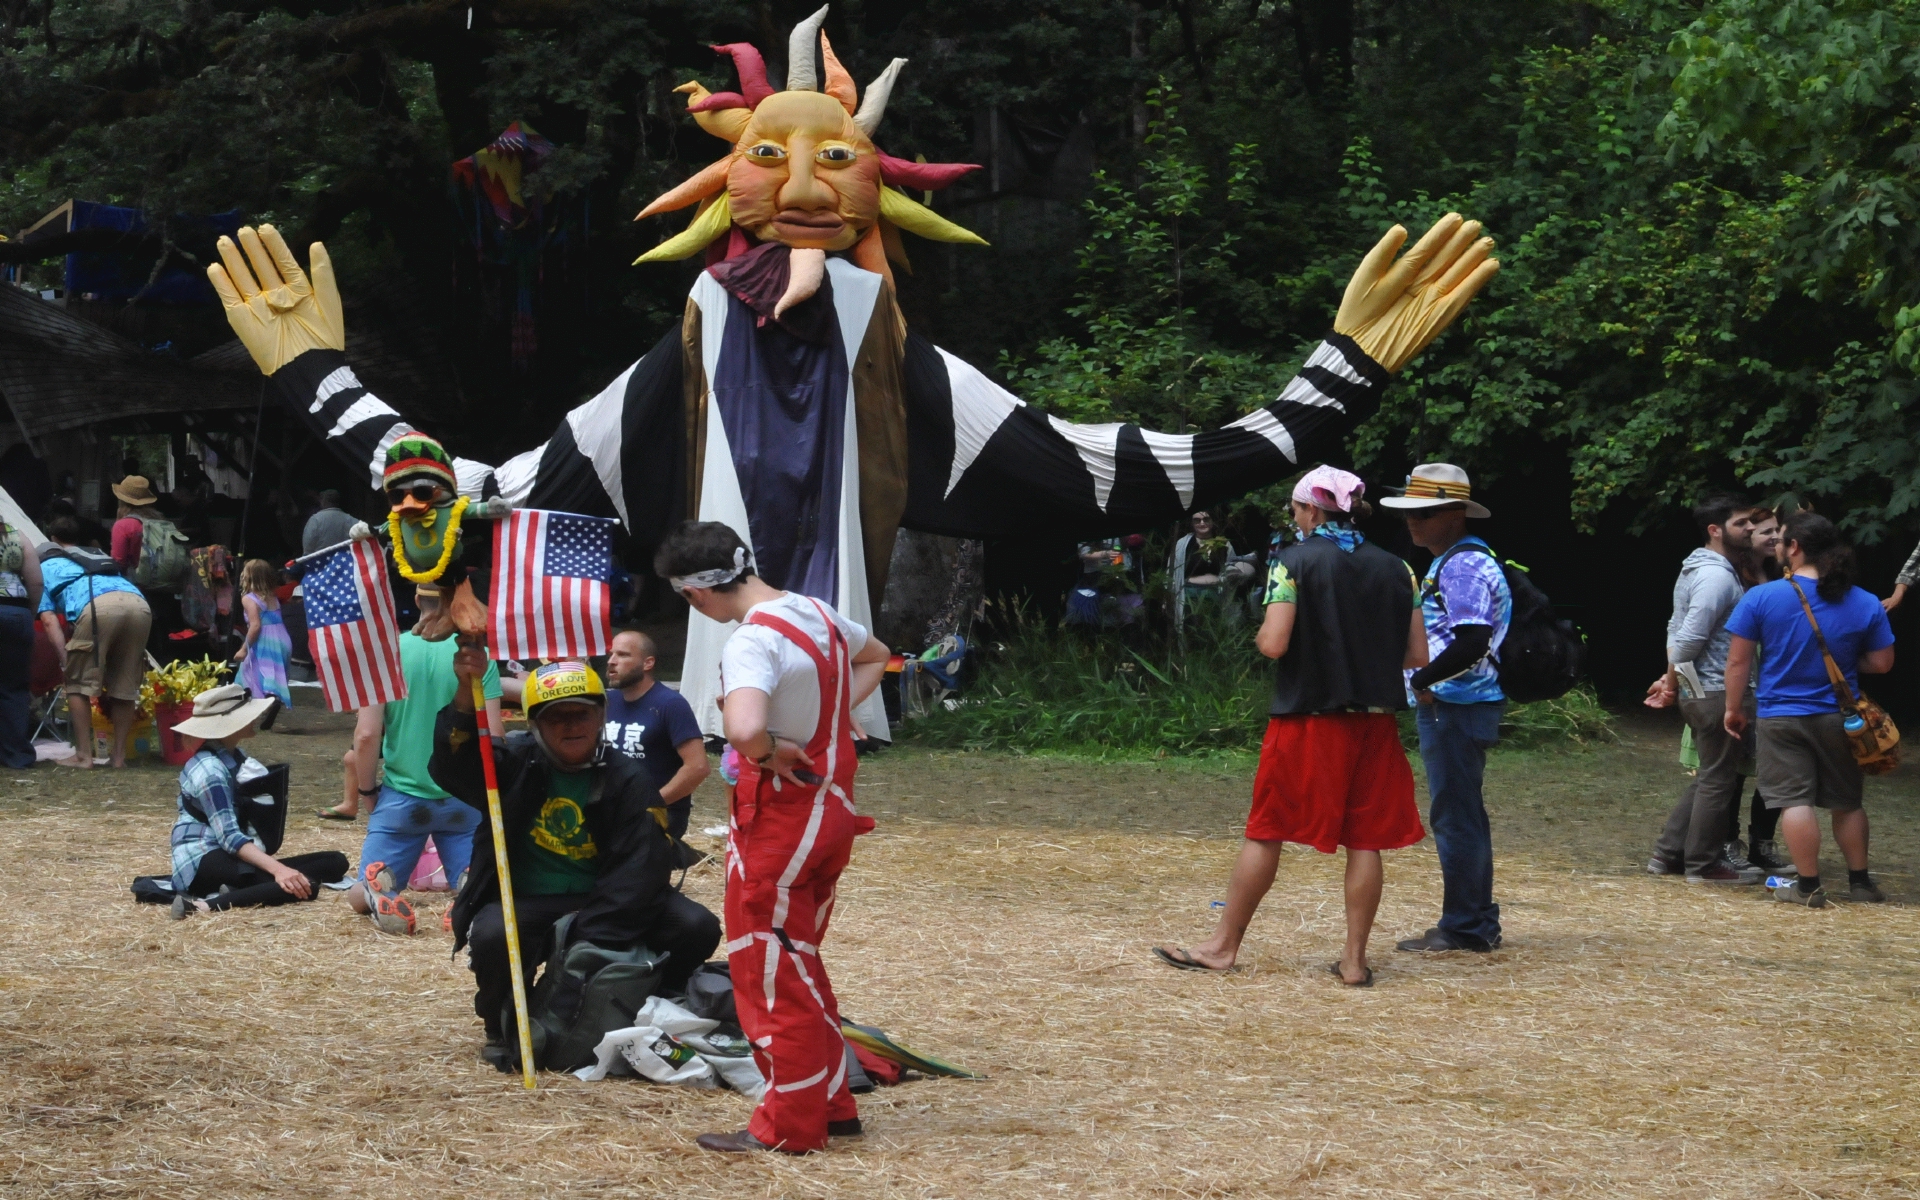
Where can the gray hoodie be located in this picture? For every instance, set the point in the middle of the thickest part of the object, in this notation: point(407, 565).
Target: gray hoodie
point(1703, 599)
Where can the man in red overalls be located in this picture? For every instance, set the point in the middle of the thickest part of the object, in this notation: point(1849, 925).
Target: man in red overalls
point(790, 676)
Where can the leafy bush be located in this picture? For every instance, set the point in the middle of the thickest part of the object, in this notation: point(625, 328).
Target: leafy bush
point(1577, 718)
point(1081, 692)
point(1095, 693)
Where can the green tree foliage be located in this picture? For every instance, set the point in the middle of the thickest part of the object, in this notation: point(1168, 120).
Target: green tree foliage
point(1708, 230)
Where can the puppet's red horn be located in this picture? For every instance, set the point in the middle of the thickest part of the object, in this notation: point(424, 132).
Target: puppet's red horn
point(752, 70)
point(925, 176)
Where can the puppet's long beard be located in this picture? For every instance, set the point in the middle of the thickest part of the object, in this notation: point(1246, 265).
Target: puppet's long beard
point(805, 270)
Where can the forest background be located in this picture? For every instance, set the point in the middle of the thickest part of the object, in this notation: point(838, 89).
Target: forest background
point(1706, 214)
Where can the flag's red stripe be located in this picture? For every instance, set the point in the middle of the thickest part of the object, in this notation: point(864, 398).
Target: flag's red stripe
point(498, 619)
point(355, 636)
point(552, 619)
point(341, 692)
point(321, 641)
point(523, 571)
point(568, 613)
point(538, 618)
point(362, 643)
point(507, 571)
point(383, 626)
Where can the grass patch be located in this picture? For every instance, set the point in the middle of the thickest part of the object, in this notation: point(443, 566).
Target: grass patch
point(1110, 695)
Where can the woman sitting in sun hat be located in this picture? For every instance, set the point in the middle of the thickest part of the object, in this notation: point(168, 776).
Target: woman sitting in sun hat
point(216, 866)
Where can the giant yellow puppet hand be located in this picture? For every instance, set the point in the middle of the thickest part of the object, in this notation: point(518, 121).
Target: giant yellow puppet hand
point(278, 314)
point(1393, 309)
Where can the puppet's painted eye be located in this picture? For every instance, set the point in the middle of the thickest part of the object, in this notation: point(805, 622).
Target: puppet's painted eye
point(838, 156)
point(766, 152)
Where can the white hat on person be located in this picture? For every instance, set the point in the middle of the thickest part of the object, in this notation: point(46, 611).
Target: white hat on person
point(1433, 485)
point(222, 712)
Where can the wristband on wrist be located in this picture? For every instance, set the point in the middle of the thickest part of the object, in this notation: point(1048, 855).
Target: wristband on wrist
point(773, 743)
point(372, 791)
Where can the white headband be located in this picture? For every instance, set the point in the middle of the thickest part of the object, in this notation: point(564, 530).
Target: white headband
point(714, 577)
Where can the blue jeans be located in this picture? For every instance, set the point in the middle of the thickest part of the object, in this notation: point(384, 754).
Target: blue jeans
point(398, 829)
point(1453, 744)
point(16, 722)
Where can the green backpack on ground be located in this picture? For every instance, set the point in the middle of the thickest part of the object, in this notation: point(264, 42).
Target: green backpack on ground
point(163, 556)
point(586, 992)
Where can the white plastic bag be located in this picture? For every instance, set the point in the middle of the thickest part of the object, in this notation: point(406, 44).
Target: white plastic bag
point(668, 1044)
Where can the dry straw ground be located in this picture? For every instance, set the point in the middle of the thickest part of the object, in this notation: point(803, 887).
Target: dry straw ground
point(1636, 1037)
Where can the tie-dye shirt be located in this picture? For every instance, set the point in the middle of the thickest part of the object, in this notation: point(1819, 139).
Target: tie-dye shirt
point(1472, 590)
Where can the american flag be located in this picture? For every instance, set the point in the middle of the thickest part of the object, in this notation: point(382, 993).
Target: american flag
point(351, 628)
point(550, 593)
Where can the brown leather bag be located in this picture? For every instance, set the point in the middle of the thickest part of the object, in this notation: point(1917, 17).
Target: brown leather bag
point(1876, 743)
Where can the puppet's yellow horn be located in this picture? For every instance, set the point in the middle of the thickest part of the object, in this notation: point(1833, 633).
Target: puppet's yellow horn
point(710, 225)
point(918, 218)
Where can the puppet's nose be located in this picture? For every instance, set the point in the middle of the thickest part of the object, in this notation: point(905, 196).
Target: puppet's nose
point(805, 190)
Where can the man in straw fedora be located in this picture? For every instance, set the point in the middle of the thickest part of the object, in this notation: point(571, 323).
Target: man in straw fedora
point(216, 866)
point(1466, 605)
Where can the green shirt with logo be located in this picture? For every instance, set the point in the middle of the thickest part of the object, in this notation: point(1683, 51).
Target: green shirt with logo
point(556, 856)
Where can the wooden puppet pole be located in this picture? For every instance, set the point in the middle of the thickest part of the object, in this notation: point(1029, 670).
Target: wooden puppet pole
point(506, 886)
point(470, 617)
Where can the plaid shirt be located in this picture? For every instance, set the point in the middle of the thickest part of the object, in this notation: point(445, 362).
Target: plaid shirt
point(208, 778)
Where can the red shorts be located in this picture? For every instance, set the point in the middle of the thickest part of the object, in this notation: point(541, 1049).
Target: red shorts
point(1335, 779)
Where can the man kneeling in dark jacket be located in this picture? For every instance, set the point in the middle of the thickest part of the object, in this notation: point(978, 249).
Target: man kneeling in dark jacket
point(583, 837)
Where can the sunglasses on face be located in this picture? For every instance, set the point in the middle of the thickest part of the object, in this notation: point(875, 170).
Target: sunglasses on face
point(423, 492)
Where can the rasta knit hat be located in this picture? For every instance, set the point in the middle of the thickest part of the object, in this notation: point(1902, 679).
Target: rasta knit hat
point(415, 454)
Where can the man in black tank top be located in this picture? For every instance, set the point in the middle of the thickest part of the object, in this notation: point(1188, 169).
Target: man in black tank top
point(1342, 623)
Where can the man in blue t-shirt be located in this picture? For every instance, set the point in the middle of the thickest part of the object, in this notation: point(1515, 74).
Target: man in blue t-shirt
point(651, 722)
point(1804, 758)
point(1466, 605)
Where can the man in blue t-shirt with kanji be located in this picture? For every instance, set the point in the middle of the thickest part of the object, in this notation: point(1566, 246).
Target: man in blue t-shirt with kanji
point(649, 721)
point(1466, 605)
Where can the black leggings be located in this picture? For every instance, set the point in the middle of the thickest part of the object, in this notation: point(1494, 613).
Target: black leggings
point(253, 887)
point(1762, 821)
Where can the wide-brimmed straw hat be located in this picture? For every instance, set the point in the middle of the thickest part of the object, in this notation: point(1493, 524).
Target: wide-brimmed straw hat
point(1433, 485)
point(135, 489)
point(222, 712)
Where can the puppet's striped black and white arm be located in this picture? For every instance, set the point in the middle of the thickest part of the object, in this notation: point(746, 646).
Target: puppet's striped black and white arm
point(982, 463)
point(617, 455)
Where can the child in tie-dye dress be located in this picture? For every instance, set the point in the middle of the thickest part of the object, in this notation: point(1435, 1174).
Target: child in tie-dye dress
point(263, 656)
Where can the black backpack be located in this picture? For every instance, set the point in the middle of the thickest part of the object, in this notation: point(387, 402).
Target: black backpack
point(586, 992)
point(1543, 654)
point(92, 563)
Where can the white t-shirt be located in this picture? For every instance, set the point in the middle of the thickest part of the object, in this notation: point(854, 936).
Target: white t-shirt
point(758, 657)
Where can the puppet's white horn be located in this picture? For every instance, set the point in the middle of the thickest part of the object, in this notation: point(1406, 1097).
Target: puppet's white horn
point(873, 105)
point(801, 46)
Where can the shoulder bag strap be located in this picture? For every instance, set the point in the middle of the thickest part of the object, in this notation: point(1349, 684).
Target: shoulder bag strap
point(1459, 547)
point(1835, 675)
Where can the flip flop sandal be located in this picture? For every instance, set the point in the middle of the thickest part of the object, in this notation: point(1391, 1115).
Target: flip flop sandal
point(327, 814)
point(1186, 961)
point(1334, 969)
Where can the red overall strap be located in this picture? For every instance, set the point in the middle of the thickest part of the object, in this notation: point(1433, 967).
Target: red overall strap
point(836, 708)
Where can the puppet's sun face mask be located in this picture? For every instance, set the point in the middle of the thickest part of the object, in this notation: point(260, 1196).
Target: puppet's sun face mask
point(803, 170)
point(804, 175)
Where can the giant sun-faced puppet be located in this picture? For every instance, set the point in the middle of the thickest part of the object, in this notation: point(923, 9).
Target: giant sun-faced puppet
point(794, 403)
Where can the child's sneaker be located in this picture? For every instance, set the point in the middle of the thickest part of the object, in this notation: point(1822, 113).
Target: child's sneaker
point(386, 908)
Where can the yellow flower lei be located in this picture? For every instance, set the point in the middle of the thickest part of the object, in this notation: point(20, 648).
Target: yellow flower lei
point(452, 538)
